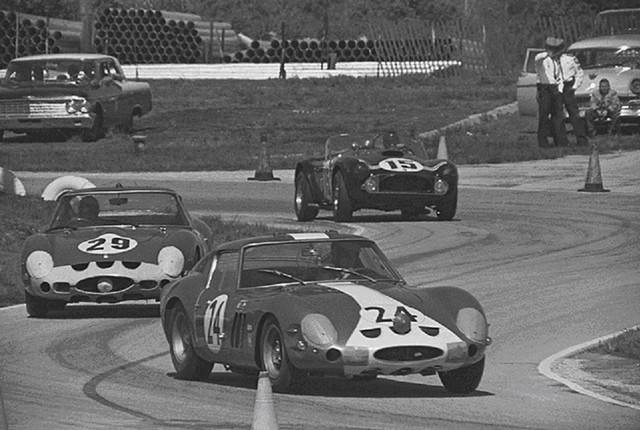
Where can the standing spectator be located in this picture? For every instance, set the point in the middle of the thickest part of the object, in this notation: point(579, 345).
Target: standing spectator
point(549, 94)
point(604, 105)
point(572, 75)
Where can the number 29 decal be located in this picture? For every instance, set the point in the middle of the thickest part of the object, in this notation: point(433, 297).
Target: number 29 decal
point(108, 244)
point(400, 165)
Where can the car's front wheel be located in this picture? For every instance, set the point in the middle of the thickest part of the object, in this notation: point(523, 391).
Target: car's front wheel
point(274, 357)
point(447, 209)
point(342, 209)
point(463, 380)
point(305, 210)
point(185, 360)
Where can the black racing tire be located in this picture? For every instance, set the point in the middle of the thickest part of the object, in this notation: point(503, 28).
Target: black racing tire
point(446, 210)
point(96, 131)
point(185, 360)
point(342, 208)
point(463, 380)
point(302, 202)
point(274, 357)
point(36, 306)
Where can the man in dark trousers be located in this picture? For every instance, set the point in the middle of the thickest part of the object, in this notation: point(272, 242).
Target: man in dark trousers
point(549, 94)
point(572, 76)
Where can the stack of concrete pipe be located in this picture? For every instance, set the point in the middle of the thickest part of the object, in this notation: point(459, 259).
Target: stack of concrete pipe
point(138, 36)
point(20, 36)
point(309, 51)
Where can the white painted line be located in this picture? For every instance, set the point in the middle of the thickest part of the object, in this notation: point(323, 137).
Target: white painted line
point(545, 369)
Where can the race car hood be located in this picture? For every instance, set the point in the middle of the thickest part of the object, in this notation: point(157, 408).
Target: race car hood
point(373, 158)
point(351, 306)
point(106, 244)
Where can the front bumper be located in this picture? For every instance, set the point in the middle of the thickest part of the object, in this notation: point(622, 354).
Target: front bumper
point(79, 283)
point(80, 122)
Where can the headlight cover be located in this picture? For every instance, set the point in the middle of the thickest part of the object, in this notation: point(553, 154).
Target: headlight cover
point(318, 330)
point(635, 86)
point(171, 261)
point(39, 264)
point(473, 324)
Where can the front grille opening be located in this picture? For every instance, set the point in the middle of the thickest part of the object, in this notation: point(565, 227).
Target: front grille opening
point(131, 264)
point(407, 353)
point(62, 287)
point(148, 285)
point(80, 267)
point(405, 184)
point(333, 354)
point(104, 264)
point(90, 285)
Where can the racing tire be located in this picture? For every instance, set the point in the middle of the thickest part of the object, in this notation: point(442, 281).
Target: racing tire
point(446, 210)
point(185, 360)
point(274, 357)
point(97, 129)
point(463, 380)
point(342, 208)
point(302, 202)
point(39, 308)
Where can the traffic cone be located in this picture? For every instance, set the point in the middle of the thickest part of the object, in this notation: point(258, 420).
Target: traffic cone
point(264, 413)
point(264, 171)
point(442, 149)
point(594, 177)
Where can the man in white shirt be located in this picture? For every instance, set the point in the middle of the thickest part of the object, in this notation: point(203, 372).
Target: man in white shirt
point(572, 76)
point(549, 94)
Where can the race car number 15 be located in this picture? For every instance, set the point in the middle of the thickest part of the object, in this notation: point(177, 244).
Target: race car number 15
point(400, 165)
point(108, 244)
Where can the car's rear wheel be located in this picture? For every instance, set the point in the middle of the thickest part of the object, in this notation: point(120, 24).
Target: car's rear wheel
point(463, 380)
point(38, 307)
point(274, 357)
point(342, 208)
point(185, 360)
point(305, 210)
point(447, 209)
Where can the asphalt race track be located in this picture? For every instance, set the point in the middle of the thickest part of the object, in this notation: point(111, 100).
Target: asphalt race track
point(552, 268)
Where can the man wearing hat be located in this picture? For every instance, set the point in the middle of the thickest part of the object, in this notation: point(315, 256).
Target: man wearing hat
point(572, 76)
point(549, 94)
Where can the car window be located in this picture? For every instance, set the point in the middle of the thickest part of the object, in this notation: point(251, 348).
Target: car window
point(59, 71)
point(300, 262)
point(591, 58)
point(136, 208)
point(225, 274)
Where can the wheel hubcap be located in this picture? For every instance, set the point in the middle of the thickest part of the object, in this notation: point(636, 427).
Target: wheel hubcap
point(180, 338)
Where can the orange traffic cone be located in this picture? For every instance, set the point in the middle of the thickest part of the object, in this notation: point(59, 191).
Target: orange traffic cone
point(594, 177)
point(442, 149)
point(264, 413)
point(264, 171)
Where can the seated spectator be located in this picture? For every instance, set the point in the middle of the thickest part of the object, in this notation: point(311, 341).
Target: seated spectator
point(604, 108)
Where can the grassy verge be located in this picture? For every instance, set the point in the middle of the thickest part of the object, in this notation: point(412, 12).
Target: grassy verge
point(626, 345)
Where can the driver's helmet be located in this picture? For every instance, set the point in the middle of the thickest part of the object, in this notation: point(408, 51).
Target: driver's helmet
point(345, 254)
point(88, 208)
point(390, 140)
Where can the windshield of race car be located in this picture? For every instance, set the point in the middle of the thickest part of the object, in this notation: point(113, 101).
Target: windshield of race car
point(624, 56)
point(317, 261)
point(63, 71)
point(113, 208)
point(383, 141)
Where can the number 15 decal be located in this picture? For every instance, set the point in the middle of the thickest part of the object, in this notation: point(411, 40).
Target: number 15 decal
point(400, 165)
point(213, 322)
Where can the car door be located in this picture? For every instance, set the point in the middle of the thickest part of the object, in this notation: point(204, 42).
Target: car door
point(216, 304)
point(526, 86)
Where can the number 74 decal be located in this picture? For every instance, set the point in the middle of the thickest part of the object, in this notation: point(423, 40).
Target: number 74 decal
point(108, 244)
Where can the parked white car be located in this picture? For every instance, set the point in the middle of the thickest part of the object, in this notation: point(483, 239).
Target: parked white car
point(614, 57)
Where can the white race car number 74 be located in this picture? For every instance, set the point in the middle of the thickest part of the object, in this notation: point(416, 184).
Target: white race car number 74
point(400, 165)
point(214, 322)
point(108, 244)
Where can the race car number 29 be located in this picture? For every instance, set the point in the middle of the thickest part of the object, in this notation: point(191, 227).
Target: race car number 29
point(108, 244)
